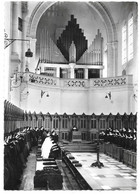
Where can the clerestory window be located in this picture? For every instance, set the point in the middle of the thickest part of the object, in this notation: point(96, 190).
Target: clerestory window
point(127, 41)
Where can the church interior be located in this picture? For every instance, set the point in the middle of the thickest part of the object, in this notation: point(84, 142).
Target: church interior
point(70, 95)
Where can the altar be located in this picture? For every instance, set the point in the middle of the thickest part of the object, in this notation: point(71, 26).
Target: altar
point(76, 136)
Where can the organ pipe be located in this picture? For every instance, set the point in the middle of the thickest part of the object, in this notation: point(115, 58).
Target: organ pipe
point(94, 54)
point(71, 42)
point(71, 33)
point(49, 52)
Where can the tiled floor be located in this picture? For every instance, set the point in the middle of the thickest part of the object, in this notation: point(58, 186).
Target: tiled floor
point(113, 176)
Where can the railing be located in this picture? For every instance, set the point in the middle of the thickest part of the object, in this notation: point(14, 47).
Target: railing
point(75, 83)
point(43, 80)
point(109, 82)
point(128, 157)
point(78, 83)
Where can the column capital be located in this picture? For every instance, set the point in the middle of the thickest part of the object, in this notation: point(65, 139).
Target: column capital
point(113, 44)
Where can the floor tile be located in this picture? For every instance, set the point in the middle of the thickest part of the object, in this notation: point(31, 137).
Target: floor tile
point(114, 175)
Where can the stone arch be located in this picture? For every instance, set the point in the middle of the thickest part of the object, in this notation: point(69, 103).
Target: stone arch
point(105, 16)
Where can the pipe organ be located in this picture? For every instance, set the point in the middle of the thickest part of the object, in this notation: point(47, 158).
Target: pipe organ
point(49, 52)
point(71, 42)
point(94, 54)
point(73, 33)
point(71, 47)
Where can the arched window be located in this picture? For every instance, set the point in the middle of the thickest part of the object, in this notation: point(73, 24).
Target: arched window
point(130, 38)
point(40, 122)
point(82, 122)
point(127, 40)
point(111, 123)
point(124, 44)
point(93, 123)
point(102, 123)
point(118, 123)
point(47, 122)
point(55, 122)
point(64, 122)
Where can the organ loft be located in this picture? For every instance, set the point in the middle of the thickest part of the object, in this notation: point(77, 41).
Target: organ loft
point(71, 48)
point(70, 95)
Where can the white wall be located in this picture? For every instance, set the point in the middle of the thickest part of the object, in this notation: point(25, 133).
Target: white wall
point(80, 101)
point(74, 101)
point(6, 67)
point(119, 101)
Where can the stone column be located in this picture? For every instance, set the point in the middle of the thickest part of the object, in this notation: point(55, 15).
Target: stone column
point(58, 72)
point(72, 65)
point(115, 54)
point(112, 59)
point(24, 7)
point(14, 25)
point(15, 61)
point(86, 73)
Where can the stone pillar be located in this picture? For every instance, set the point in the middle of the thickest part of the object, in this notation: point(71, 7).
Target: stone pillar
point(72, 65)
point(15, 61)
point(86, 73)
point(112, 59)
point(24, 7)
point(72, 73)
point(14, 25)
point(58, 72)
point(115, 54)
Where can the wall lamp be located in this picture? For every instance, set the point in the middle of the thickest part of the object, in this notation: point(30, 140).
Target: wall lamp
point(135, 97)
point(8, 42)
point(43, 92)
point(108, 95)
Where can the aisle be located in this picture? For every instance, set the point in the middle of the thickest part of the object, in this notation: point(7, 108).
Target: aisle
point(29, 171)
point(69, 182)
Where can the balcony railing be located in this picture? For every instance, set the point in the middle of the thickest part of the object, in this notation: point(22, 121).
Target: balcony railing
point(78, 83)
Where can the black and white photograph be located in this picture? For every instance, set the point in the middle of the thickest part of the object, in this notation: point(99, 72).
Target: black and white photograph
point(70, 96)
